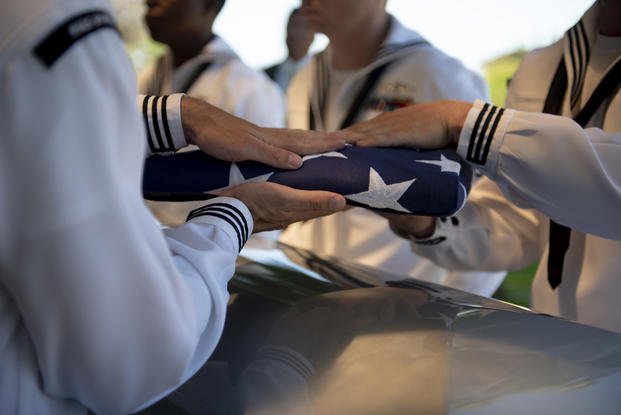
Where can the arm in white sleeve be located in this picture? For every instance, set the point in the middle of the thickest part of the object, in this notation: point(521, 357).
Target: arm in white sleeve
point(489, 234)
point(548, 163)
point(118, 313)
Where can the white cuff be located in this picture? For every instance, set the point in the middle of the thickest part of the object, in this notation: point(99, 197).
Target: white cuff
point(162, 119)
point(482, 135)
point(229, 214)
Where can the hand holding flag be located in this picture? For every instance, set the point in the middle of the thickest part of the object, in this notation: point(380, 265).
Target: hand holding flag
point(428, 125)
point(226, 137)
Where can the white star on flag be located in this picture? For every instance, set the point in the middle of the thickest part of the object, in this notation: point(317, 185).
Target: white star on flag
point(380, 195)
point(445, 164)
point(236, 177)
point(329, 154)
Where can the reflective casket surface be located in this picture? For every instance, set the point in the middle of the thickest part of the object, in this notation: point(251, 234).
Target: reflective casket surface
point(312, 335)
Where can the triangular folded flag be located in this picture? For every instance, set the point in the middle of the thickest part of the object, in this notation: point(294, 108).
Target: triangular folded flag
point(397, 180)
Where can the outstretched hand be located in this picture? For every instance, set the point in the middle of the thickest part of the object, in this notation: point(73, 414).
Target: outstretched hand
point(226, 137)
point(429, 125)
point(274, 206)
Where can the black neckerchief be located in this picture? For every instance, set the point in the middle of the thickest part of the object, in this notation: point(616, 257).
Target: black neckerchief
point(196, 73)
point(607, 87)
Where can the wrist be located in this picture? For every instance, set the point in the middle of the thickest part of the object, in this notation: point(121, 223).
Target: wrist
point(455, 121)
point(190, 107)
point(414, 227)
point(424, 228)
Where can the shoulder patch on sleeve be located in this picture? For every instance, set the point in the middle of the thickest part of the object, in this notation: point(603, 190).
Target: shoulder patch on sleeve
point(69, 32)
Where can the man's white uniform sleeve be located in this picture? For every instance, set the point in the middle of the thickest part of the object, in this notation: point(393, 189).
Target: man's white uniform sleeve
point(549, 163)
point(115, 319)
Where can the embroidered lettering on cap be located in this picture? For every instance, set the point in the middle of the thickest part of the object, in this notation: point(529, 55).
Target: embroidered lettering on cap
point(69, 32)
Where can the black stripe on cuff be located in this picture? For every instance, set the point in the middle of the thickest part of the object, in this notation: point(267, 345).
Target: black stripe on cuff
point(482, 134)
point(475, 129)
point(240, 223)
point(239, 213)
point(228, 213)
point(167, 133)
point(227, 209)
point(156, 124)
point(481, 139)
point(490, 136)
point(145, 116)
point(227, 219)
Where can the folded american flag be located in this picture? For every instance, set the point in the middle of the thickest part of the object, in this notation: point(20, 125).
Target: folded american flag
point(397, 180)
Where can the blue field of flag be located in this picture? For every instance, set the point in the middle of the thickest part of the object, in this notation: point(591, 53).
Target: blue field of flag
point(397, 180)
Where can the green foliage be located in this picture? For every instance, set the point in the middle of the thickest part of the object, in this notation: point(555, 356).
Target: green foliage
point(145, 53)
point(516, 287)
point(499, 71)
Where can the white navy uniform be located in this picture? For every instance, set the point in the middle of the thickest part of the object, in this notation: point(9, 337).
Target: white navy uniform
point(283, 72)
point(553, 166)
point(418, 72)
point(216, 75)
point(98, 307)
point(224, 81)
